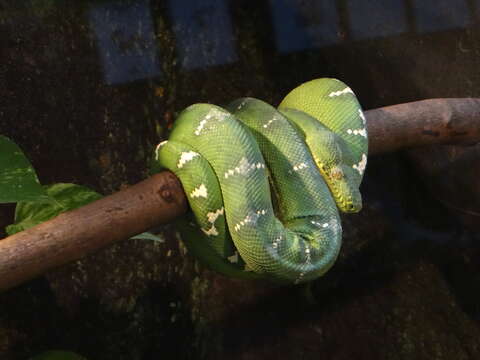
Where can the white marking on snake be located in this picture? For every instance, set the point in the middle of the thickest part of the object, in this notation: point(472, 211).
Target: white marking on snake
point(212, 216)
point(362, 116)
point(335, 225)
point(200, 126)
point(234, 258)
point(274, 118)
point(347, 90)
point(250, 219)
point(200, 191)
point(324, 225)
point(244, 167)
point(308, 257)
point(158, 148)
point(300, 166)
point(241, 105)
point(360, 167)
point(185, 157)
point(308, 261)
point(276, 242)
point(218, 114)
point(361, 132)
point(211, 232)
point(212, 113)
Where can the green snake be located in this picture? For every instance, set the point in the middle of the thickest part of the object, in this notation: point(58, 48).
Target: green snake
point(264, 184)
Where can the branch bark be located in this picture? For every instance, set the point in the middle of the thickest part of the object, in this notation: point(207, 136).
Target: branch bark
point(426, 122)
point(160, 198)
point(74, 234)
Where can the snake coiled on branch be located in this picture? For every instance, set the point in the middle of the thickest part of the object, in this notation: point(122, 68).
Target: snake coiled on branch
point(265, 184)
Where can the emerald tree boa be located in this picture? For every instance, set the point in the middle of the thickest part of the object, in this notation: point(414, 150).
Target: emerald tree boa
point(266, 184)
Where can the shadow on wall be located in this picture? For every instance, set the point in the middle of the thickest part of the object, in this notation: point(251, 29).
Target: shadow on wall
point(203, 30)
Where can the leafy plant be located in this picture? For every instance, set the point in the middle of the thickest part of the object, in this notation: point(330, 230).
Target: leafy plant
point(66, 197)
point(36, 203)
point(18, 181)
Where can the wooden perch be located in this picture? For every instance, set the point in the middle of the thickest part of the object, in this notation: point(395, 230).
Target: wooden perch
point(74, 234)
point(160, 198)
point(427, 122)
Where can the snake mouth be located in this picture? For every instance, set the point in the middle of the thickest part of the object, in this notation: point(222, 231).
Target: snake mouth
point(349, 206)
point(348, 199)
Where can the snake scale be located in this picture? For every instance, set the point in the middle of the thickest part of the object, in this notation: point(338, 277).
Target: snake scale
point(265, 184)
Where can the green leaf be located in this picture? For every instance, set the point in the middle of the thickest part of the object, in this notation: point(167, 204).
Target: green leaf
point(148, 236)
point(66, 197)
point(18, 181)
point(58, 355)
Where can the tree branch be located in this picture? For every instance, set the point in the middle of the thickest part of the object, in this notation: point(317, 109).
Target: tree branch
point(74, 234)
point(426, 122)
point(160, 198)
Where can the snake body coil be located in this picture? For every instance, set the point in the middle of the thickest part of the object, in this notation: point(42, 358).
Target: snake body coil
point(264, 183)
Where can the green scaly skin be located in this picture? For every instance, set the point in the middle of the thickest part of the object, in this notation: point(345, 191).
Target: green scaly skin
point(308, 157)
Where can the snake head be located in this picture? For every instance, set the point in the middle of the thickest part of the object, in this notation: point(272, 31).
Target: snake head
point(341, 182)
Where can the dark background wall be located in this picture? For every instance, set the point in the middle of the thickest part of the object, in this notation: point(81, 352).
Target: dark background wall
point(88, 88)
